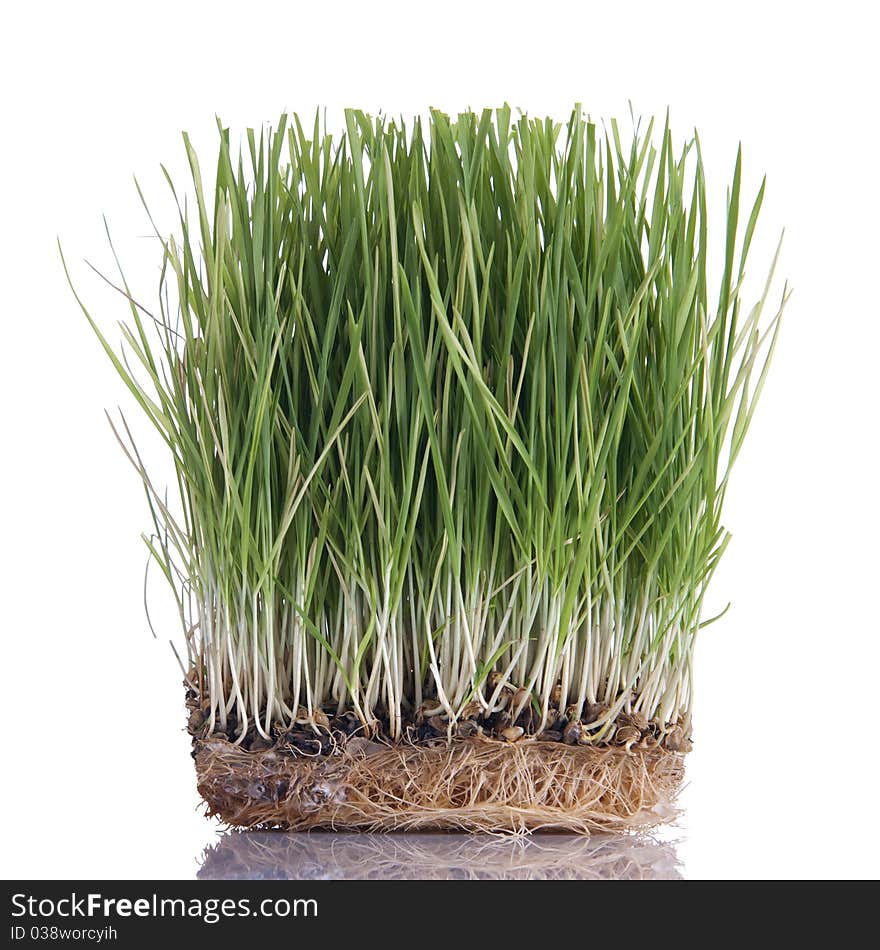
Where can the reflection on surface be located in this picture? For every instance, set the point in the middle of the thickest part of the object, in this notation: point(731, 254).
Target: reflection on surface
point(329, 856)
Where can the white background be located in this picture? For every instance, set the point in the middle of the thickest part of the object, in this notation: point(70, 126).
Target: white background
point(96, 775)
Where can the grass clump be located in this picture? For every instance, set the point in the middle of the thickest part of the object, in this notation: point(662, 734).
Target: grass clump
point(452, 409)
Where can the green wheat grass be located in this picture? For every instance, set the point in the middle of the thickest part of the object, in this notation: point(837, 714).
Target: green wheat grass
point(444, 400)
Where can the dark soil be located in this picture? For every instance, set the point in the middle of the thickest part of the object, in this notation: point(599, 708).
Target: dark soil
point(330, 730)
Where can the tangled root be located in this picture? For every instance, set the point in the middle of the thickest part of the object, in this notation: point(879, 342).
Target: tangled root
point(474, 784)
